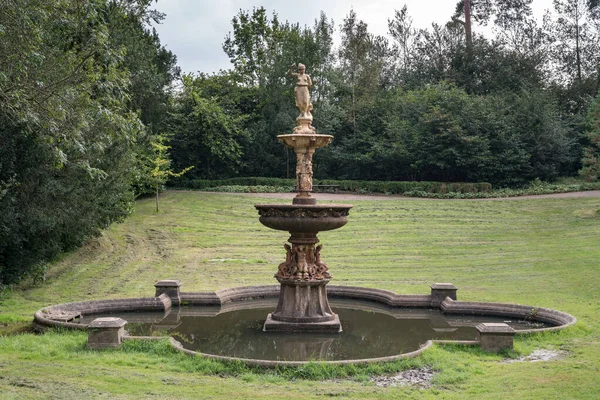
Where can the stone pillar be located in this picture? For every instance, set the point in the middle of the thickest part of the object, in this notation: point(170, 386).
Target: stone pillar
point(106, 333)
point(494, 337)
point(439, 292)
point(303, 305)
point(170, 287)
point(304, 175)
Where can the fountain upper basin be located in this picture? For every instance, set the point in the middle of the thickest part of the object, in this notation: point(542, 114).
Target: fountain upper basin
point(305, 218)
point(313, 140)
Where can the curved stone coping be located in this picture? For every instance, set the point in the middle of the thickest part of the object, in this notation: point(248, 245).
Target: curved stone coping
point(560, 319)
point(386, 297)
point(380, 296)
point(59, 315)
point(274, 363)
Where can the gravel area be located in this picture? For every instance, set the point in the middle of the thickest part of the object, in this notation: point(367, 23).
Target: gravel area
point(420, 378)
point(541, 355)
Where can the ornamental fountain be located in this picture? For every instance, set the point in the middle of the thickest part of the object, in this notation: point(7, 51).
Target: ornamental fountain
point(229, 324)
point(303, 305)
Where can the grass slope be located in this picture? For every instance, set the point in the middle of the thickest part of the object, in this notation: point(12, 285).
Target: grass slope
point(537, 252)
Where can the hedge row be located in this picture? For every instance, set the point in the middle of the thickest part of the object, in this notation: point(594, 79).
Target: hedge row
point(390, 187)
point(200, 184)
point(393, 187)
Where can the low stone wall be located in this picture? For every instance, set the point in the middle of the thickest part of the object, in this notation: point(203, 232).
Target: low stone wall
point(560, 319)
point(63, 315)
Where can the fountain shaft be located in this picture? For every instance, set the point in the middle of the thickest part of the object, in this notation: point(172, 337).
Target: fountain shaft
point(303, 305)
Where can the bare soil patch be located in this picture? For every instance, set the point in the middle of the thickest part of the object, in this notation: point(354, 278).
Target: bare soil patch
point(541, 355)
point(420, 378)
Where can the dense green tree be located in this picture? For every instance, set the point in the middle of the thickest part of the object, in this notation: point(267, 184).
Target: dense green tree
point(151, 67)
point(69, 132)
point(485, 138)
point(151, 70)
point(576, 40)
point(591, 157)
point(261, 50)
point(206, 132)
point(442, 133)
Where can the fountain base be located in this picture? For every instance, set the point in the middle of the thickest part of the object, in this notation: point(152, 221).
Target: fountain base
point(272, 325)
point(303, 307)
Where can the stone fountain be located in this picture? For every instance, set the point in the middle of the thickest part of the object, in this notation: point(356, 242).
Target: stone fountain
point(380, 325)
point(303, 305)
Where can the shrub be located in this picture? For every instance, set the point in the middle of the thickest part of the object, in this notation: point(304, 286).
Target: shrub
point(253, 184)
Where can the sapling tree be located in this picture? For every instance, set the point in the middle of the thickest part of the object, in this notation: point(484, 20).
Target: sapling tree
point(161, 166)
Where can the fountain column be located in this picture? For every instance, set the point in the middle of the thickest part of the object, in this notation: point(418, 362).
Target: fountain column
point(303, 305)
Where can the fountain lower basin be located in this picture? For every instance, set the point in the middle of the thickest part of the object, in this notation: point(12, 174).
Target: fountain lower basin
point(303, 305)
point(371, 330)
point(379, 314)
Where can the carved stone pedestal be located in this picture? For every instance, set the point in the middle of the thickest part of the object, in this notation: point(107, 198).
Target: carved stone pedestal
point(494, 337)
point(303, 307)
point(303, 304)
point(304, 141)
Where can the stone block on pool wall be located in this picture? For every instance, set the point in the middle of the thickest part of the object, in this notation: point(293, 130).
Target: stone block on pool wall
point(170, 287)
point(439, 292)
point(106, 333)
point(494, 337)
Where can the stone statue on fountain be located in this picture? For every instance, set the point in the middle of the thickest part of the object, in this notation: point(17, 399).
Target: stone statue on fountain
point(302, 93)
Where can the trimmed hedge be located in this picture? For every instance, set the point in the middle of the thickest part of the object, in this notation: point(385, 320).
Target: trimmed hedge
point(389, 187)
point(200, 184)
point(393, 187)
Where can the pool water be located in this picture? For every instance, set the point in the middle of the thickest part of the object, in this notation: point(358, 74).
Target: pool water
point(370, 330)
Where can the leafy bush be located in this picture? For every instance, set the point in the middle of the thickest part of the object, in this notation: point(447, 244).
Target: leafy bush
point(591, 158)
point(270, 185)
point(536, 188)
point(440, 190)
point(250, 189)
point(201, 184)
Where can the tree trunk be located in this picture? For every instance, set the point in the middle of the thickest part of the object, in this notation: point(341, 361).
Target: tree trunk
point(468, 33)
point(156, 198)
point(597, 80)
point(353, 106)
point(577, 49)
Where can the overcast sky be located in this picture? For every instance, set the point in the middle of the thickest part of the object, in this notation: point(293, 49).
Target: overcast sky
point(195, 29)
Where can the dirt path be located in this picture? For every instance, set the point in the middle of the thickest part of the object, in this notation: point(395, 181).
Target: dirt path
point(589, 193)
point(349, 196)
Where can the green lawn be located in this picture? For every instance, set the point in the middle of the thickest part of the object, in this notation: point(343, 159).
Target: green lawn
point(543, 252)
